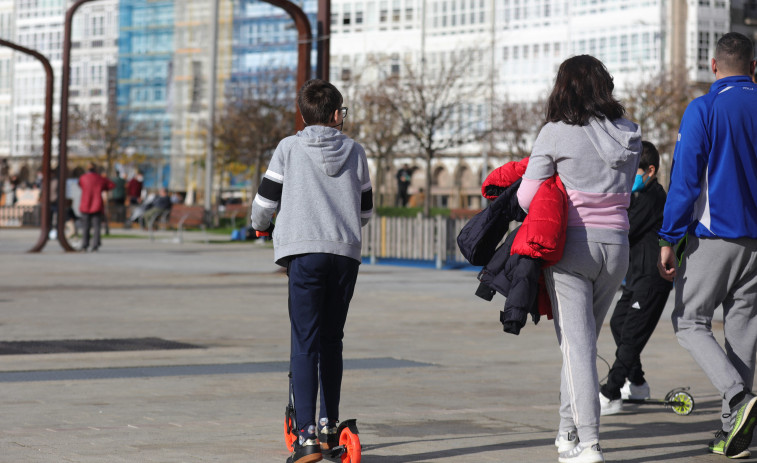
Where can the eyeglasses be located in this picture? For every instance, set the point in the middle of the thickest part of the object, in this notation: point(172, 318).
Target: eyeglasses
point(343, 111)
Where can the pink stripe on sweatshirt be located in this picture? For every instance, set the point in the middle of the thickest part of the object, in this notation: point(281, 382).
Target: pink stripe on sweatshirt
point(592, 210)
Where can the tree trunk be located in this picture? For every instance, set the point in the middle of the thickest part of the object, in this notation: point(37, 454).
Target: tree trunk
point(378, 198)
point(427, 199)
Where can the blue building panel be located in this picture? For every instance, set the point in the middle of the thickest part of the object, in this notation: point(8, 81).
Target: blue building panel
point(146, 48)
point(264, 45)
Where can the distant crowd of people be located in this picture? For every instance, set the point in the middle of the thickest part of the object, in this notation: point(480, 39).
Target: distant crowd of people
point(93, 199)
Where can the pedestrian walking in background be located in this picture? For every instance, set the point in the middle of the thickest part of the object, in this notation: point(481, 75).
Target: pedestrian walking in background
point(91, 206)
point(319, 179)
point(404, 176)
point(118, 198)
point(712, 209)
point(645, 292)
point(595, 151)
point(4, 175)
point(134, 189)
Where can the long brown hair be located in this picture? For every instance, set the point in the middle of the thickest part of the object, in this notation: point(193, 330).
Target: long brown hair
point(583, 89)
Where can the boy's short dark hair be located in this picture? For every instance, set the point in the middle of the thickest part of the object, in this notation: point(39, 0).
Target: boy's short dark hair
point(649, 156)
point(318, 100)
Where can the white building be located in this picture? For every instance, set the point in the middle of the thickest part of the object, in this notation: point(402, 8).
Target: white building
point(524, 42)
point(94, 54)
point(39, 26)
point(532, 37)
point(7, 31)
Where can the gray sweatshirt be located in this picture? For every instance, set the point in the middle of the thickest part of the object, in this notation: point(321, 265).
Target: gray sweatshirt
point(597, 163)
point(318, 181)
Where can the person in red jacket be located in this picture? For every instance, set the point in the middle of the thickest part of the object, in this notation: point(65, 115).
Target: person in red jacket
point(91, 207)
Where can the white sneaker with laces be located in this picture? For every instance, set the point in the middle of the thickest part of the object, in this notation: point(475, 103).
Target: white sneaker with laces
point(609, 407)
point(566, 441)
point(634, 392)
point(583, 453)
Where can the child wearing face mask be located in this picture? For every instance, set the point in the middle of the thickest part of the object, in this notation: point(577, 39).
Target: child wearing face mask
point(645, 292)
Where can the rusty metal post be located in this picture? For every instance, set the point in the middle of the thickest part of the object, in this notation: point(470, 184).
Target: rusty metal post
point(63, 132)
point(324, 39)
point(304, 45)
point(44, 231)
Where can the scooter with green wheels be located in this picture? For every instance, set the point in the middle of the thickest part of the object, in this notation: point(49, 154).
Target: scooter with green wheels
point(678, 399)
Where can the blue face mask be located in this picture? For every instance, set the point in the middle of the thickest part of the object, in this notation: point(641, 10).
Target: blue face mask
point(638, 184)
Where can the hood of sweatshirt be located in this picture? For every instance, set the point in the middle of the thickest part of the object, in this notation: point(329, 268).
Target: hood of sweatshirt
point(616, 141)
point(327, 147)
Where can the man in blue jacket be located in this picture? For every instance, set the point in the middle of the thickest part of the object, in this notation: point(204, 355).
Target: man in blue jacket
point(712, 206)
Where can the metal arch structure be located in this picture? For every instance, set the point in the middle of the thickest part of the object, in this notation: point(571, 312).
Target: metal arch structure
point(46, 151)
point(63, 132)
point(304, 46)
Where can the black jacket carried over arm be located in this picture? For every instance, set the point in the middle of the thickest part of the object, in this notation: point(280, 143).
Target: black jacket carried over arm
point(517, 278)
point(514, 276)
point(480, 236)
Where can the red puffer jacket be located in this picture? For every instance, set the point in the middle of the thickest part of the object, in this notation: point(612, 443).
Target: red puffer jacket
point(542, 234)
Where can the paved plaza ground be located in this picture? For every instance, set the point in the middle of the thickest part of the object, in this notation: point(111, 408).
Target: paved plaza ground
point(430, 376)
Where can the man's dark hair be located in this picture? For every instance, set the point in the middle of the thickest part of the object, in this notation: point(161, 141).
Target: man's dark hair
point(583, 89)
point(734, 53)
point(649, 156)
point(318, 100)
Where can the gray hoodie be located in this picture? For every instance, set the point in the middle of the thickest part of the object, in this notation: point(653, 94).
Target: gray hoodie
point(319, 182)
point(597, 163)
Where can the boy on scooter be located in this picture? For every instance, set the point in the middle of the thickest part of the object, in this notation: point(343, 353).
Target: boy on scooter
point(318, 181)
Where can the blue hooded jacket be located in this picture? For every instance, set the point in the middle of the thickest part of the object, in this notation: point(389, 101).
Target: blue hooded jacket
point(713, 182)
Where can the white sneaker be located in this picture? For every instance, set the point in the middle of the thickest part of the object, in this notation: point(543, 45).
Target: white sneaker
point(583, 453)
point(609, 407)
point(634, 392)
point(566, 441)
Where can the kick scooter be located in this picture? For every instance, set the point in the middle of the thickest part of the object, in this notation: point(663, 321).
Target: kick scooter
point(678, 399)
point(349, 448)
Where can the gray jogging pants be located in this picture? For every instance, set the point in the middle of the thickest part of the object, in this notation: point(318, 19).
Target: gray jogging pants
point(582, 286)
point(715, 272)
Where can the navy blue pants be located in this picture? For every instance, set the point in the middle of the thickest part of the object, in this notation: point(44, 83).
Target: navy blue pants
point(320, 290)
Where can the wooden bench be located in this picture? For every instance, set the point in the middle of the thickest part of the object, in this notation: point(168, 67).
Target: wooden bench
point(183, 216)
point(233, 211)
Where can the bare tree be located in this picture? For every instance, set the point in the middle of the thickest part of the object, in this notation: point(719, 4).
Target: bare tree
point(440, 104)
point(378, 129)
point(104, 137)
point(248, 131)
point(657, 105)
point(516, 127)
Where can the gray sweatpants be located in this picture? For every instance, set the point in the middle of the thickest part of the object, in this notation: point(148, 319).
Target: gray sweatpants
point(582, 286)
point(715, 272)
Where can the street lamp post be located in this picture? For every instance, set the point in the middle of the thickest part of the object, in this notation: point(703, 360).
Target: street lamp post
point(210, 153)
point(324, 39)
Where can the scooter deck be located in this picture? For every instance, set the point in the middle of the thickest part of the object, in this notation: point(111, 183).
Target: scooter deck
point(678, 399)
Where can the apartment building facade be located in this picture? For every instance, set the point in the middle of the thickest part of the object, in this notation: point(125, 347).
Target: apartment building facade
point(151, 61)
point(522, 43)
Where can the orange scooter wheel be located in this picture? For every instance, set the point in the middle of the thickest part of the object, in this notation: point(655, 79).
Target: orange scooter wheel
point(351, 443)
point(289, 435)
